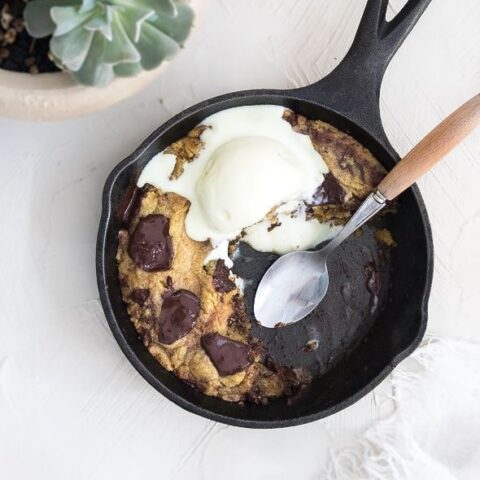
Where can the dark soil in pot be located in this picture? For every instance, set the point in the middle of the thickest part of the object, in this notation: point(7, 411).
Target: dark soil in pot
point(20, 52)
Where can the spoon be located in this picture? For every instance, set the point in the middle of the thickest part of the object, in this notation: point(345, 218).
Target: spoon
point(297, 282)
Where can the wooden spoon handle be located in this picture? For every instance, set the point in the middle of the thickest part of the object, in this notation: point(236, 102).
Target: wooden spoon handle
point(440, 141)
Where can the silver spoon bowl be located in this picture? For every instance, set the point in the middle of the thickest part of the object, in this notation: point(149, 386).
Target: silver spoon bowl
point(297, 282)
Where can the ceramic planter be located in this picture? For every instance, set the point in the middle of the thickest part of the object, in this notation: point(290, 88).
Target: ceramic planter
point(56, 96)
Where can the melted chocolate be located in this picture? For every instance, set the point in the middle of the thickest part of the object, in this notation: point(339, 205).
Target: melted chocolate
point(168, 288)
point(221, 280)
point(228, 356)
point(129, 204)
point(140, 295)
point(274, 225)
point(178, 316)
point(330, 192)
point(150, 244)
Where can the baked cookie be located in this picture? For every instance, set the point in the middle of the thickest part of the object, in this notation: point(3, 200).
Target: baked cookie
point(189, 310)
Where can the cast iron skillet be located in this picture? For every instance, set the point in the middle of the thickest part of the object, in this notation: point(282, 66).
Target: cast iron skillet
point(354, 354)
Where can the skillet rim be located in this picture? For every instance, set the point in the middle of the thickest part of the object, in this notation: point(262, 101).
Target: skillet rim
point(106, 218)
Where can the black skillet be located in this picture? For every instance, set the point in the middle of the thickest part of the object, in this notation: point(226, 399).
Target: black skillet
point(357, 348)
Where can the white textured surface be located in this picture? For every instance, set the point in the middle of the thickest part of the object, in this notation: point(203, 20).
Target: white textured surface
point(71, 406)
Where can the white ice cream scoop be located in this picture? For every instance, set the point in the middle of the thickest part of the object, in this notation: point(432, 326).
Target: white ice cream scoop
point(244, 179)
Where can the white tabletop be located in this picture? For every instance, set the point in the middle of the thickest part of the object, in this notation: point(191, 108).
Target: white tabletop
point(71, 406)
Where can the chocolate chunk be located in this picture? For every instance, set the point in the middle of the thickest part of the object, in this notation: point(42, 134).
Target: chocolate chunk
point(376, 176)
point(129, 204)
point(228, 356)
point(329, 192)
point(274, 225)
point(221, 280)
point(150, 244)
point(178, 316)
point(140, 295)
point(168, 287)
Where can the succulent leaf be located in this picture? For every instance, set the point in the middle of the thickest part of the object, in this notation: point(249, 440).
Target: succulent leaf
point(127, 69)
point(38, 19)
point(86, 5)
point(167, 7)
point(72, 49)
point(97, 40)
point(68, 18)
point(166, 47)
point(102, 23)
point(122, 49)
point(179, 29)
point(93, 71)
point(133, 20)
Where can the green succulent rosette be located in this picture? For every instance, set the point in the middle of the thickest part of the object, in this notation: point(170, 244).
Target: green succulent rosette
point(98, 40)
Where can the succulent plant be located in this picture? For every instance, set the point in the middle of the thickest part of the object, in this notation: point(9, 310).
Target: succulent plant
point(97, 40)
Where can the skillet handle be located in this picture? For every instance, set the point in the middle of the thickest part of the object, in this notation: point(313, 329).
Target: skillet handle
point(353, 88)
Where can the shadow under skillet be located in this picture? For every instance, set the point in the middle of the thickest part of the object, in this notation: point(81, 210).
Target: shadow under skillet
point(359, 279)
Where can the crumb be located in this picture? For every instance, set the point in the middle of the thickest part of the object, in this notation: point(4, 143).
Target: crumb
point(385, 237)
point(186, 150)
point(310, 346)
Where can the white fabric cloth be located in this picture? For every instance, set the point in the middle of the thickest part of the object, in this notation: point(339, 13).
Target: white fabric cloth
point(434, 430)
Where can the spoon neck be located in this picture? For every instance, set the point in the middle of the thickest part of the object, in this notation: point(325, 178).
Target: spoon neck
point(370, 207)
